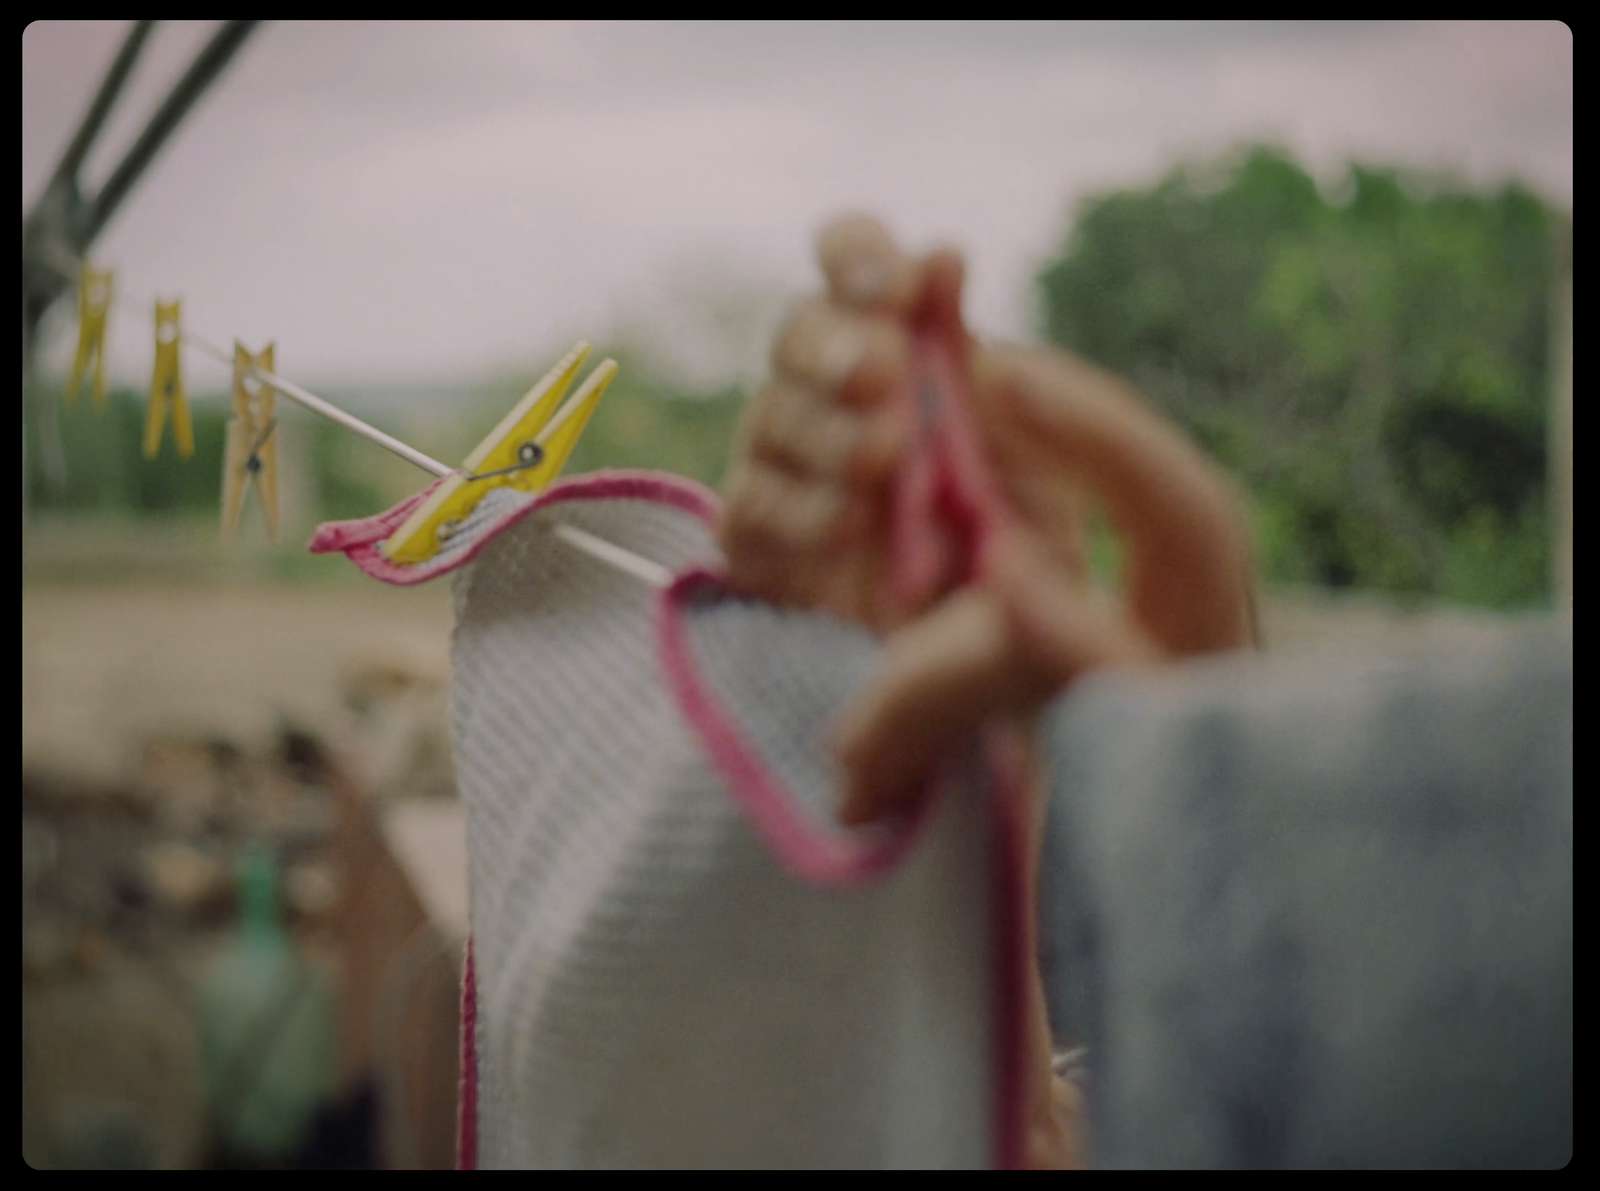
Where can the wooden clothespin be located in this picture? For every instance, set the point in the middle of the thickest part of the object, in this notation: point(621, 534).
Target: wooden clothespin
point(525, 451)
point(252, 452)
point(166, 388)
point(94, 299)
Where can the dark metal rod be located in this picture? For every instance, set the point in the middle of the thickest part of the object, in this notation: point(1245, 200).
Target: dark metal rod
point(121, 67)
point(206, 66)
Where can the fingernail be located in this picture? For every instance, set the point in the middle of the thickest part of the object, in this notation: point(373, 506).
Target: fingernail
point(866, 280)
point(839, 354)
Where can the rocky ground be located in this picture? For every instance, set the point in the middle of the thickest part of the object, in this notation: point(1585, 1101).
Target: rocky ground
point(164, 724)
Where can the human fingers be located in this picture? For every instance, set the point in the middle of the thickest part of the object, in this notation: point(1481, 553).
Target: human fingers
point(1188, 566)
point(1061, 625)
point(940, 678)
point(1035, 483)
point(837, 576)
point(765, 505)
point(792, 428)
point(863, 266)
point(1060, 1142)
point(847, 358)
point(1001, 648)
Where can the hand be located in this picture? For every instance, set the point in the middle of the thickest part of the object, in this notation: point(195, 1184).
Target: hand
point(806, 512)
point(1057, 431)
point(807, 520)
point(807, 515)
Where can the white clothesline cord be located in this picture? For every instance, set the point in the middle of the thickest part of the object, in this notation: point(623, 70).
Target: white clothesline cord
point(328, 410)
point(635, 565)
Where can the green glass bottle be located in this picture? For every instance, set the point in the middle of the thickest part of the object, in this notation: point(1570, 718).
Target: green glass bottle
point(267, 1028)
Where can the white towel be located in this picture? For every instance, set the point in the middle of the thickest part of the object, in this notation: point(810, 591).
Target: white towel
point(678, 960)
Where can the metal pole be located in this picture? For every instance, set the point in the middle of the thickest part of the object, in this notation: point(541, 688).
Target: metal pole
point(210, 62)
point(57, 216)
point(61, 219)
point(66, 172)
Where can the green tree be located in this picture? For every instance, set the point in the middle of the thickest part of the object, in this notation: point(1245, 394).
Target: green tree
point(1372, 364)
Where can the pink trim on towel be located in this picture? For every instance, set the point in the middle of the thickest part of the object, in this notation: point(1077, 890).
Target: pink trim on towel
point(359, 539)
point(829, 857)
point(947, 510)
point(837, 857)
point(1012, 966)
point(467, 1094)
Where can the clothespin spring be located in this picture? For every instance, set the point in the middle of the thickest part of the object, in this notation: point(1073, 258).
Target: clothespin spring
point(529, 454)
point(252, 462)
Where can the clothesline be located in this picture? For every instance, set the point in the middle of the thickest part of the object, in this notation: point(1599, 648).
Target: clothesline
point(635, 565)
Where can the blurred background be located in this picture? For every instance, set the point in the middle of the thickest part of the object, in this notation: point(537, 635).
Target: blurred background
point(1337, 253)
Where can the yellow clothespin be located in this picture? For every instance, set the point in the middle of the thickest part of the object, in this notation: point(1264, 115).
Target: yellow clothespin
point(94, 297)
point(525, 451)
point(252, 444)
point(166, 388)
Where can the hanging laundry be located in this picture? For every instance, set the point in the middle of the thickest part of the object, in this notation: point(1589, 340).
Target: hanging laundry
point(679, 957)
point(94, 299)
point(252, 449)
point(166, 388)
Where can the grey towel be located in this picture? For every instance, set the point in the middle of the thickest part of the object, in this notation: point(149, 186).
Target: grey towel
point(1319, 914)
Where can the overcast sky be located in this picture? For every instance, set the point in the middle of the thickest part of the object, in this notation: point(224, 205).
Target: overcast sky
point(409, 203)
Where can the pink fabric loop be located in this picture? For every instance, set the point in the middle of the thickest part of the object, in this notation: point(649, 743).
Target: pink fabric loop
point(945, 505)
point(829, 857)
point(467, 1093)
point(946, 509)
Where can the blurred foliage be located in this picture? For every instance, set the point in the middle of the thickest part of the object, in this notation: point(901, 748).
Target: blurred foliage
point(110, 513)
point(1371, 363)
point(105, 469)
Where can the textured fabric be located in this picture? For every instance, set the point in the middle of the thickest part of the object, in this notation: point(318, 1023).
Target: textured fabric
point(661, 980)
point(1320, 914)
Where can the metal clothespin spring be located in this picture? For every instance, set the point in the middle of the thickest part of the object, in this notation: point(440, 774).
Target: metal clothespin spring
point(529, 454)
point(252, 463)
